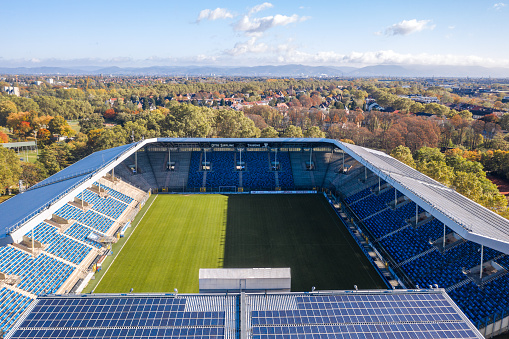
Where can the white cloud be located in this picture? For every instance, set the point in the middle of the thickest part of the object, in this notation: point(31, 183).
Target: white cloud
point(389, 57)
point(256, 26)
point(499, 6)
point(249, 46)
point(214, 14)
point(406, 27)
point(259, 8)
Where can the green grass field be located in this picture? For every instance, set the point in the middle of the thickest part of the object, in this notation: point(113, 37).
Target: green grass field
point(181, 234)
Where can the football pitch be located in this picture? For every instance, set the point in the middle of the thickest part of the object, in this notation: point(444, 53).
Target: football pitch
point(182, 233)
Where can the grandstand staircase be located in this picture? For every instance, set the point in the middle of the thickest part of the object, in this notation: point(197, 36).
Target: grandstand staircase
point(18, 290)
point(391, 233)
point(277, 178)
point(61, 259)
point(461, 283)
point(151, 166)
point(177, 178)
point(376, 213)
point(301, 176)
point(416, 257)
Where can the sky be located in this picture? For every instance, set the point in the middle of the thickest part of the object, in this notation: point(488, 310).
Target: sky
point(249, 33)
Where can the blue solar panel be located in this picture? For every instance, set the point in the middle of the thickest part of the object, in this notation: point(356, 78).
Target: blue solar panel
point(128, 317)
point(385, 314)
point(351, 315)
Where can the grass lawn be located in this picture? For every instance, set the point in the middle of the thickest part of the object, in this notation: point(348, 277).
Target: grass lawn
point(177, 236)
point(297, 231)
point(181, 234)
point(75, 125)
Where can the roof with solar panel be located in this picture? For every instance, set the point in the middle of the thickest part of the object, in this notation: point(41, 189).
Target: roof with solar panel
point(288, 315)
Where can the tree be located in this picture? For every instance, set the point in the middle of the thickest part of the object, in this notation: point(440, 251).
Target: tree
point(3, 137)
point(56, 125)
point(33, 173)
point(187, 121)
point(427, 154)
point(10, 169)
point(109, 114)
point(437, 170)
point(48, 158)
point(269, 132)
point(468, 185)
point(91, 122)
point(292, 132)
point(6, 107)
point(233, 124)
point(314, 132)
point(404, 155)
point(43, 136)
point(504, 121)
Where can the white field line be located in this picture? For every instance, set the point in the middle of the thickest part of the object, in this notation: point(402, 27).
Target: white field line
point(111, 263)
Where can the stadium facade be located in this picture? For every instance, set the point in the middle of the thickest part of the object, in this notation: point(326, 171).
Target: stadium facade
point(425, 233)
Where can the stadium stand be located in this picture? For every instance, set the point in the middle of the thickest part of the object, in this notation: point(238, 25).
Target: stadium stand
point(89, 218)
point(60, 245)
point(258, 174)
point(284, 176)
point(222, 172)
point(65, 253)
point(427, 264)
point(81, 233)
point(39, 275)
point(12, 305)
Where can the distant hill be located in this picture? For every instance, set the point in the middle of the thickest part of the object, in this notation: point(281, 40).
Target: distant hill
point(272, 71)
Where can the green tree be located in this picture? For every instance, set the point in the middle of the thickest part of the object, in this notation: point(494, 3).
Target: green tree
point(187, 121)
point(292, 132)
point(10, 169)
point(504, 121)
point(233, 124)
point(57, 125)
point(6, 107)
point(314, 132)
point(91, 122)
point(48, 158)
point(437, 170)
point(426, 154)
point(33, 173)
point(404, 155)
point(269, 132)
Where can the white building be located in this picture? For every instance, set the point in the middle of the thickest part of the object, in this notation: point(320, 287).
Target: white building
point(11, 90)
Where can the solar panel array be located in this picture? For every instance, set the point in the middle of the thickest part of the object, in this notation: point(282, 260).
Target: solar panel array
point(359, 315)
point(342, 314)
point(129, 316)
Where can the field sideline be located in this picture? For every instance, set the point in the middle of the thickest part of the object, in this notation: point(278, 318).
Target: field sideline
point(180, 234)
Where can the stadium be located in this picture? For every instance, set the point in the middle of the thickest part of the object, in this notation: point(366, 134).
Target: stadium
point(111, 246)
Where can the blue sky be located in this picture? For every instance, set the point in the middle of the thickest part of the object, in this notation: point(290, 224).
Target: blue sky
point(247, 33)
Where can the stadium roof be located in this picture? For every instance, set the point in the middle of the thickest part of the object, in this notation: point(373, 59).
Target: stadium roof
point(38, 198)
point(464, 216)
point(381, 313)
point(469, 219)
